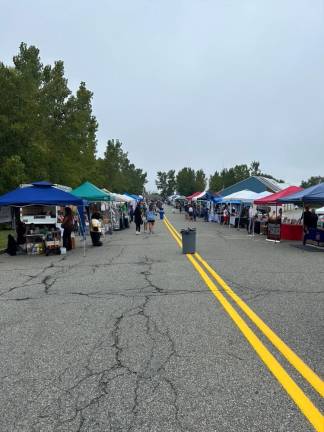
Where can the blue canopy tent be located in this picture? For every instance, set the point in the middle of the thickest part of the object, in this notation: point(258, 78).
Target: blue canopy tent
point(135, 197)
point(311, 195)
point(40, 193)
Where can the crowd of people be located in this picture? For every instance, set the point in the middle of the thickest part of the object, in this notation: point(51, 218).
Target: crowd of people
point(145, 215)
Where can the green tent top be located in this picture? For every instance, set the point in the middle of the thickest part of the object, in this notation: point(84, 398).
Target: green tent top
point(90, 192)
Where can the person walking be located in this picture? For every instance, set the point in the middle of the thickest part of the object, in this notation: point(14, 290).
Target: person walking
point(308, 222)
point(138, 218)
point(161, 213)
point(150, 216)
point(67, 225)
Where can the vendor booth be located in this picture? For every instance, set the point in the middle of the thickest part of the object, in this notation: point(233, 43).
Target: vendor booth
point(98, 200)
point(281, 228)
point(238, 204)
point(38, 204)
point(312, 197)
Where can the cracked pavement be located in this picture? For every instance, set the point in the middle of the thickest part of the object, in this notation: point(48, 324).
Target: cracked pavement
point(130, 339)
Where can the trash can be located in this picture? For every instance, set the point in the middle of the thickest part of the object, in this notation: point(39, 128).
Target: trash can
point(161, 214)
point(188, 240)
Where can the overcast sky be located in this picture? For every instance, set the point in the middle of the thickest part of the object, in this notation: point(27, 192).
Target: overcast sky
point(200, 83)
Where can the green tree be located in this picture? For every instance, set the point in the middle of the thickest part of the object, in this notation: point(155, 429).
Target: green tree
point(255, 168)
point(200, 181)
point(216, 182)
point(172, 182)
point(52, 131)
point(12, 173)
point(162, 183)
point(312, 181)
point(117, 174)
point(186, 181)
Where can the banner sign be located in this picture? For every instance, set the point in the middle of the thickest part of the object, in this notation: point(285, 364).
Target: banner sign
point(273, 231)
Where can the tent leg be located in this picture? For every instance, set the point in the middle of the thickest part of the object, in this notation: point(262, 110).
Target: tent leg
point(84, 246)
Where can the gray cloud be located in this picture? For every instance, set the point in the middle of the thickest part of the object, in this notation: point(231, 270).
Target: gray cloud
point(205, 83)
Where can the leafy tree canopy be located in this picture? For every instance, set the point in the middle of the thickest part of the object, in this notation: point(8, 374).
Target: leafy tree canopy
point(228, 177)
point(166, 183)
point(312, 181)
point(46, 132)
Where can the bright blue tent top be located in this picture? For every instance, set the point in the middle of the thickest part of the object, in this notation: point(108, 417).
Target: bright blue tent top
point(135, 197)
point(217, 199)
point(40, 193)
point(313, 194)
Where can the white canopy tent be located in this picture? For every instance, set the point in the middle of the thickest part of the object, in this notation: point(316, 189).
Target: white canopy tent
point(245, 196)
point(122, 198)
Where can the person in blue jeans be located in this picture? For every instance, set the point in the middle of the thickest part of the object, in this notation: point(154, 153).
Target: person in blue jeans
point(150, 216)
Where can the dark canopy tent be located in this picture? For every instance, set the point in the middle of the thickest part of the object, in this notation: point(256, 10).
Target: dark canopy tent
point(311, 195)
point(39, 193)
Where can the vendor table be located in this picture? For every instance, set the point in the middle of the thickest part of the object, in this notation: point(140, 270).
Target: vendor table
point(291, 232)
point(35, 244)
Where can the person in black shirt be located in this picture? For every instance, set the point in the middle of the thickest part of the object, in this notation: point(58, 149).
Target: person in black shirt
point(308, 222)
point(314, 219)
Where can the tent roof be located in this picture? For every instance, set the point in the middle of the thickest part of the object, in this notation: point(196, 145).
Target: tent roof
point(122, 198)
point(190, 197)
point(199, 196)
point(90, 192)
point(320, 211)
point(40, 193)
point(133, 196)
point(273, 198)
point(245, 196)
point(313, 194)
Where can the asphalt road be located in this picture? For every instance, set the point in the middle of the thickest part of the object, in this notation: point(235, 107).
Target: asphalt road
point(130, 338)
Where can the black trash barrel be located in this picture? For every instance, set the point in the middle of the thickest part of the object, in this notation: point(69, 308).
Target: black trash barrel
point(188, 240)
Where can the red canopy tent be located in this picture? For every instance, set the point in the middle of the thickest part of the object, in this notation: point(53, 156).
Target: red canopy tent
point(273, 199)
point(189, 198)
point(287, 231)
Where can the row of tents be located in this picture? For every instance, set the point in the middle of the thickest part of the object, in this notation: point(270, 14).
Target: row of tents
point(45, 193)
point(292, 194)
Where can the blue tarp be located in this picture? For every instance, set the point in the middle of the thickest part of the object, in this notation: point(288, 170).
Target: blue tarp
point(313, 194)
point(40, 193)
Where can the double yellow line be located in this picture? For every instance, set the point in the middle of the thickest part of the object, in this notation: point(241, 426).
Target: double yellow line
point(295, 392)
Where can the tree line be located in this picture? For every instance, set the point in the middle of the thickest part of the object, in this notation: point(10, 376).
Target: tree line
point(188, 181)
point(47, 132)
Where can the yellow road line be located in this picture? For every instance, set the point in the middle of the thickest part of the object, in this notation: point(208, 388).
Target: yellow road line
point(305, 405)
point(308, 374)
